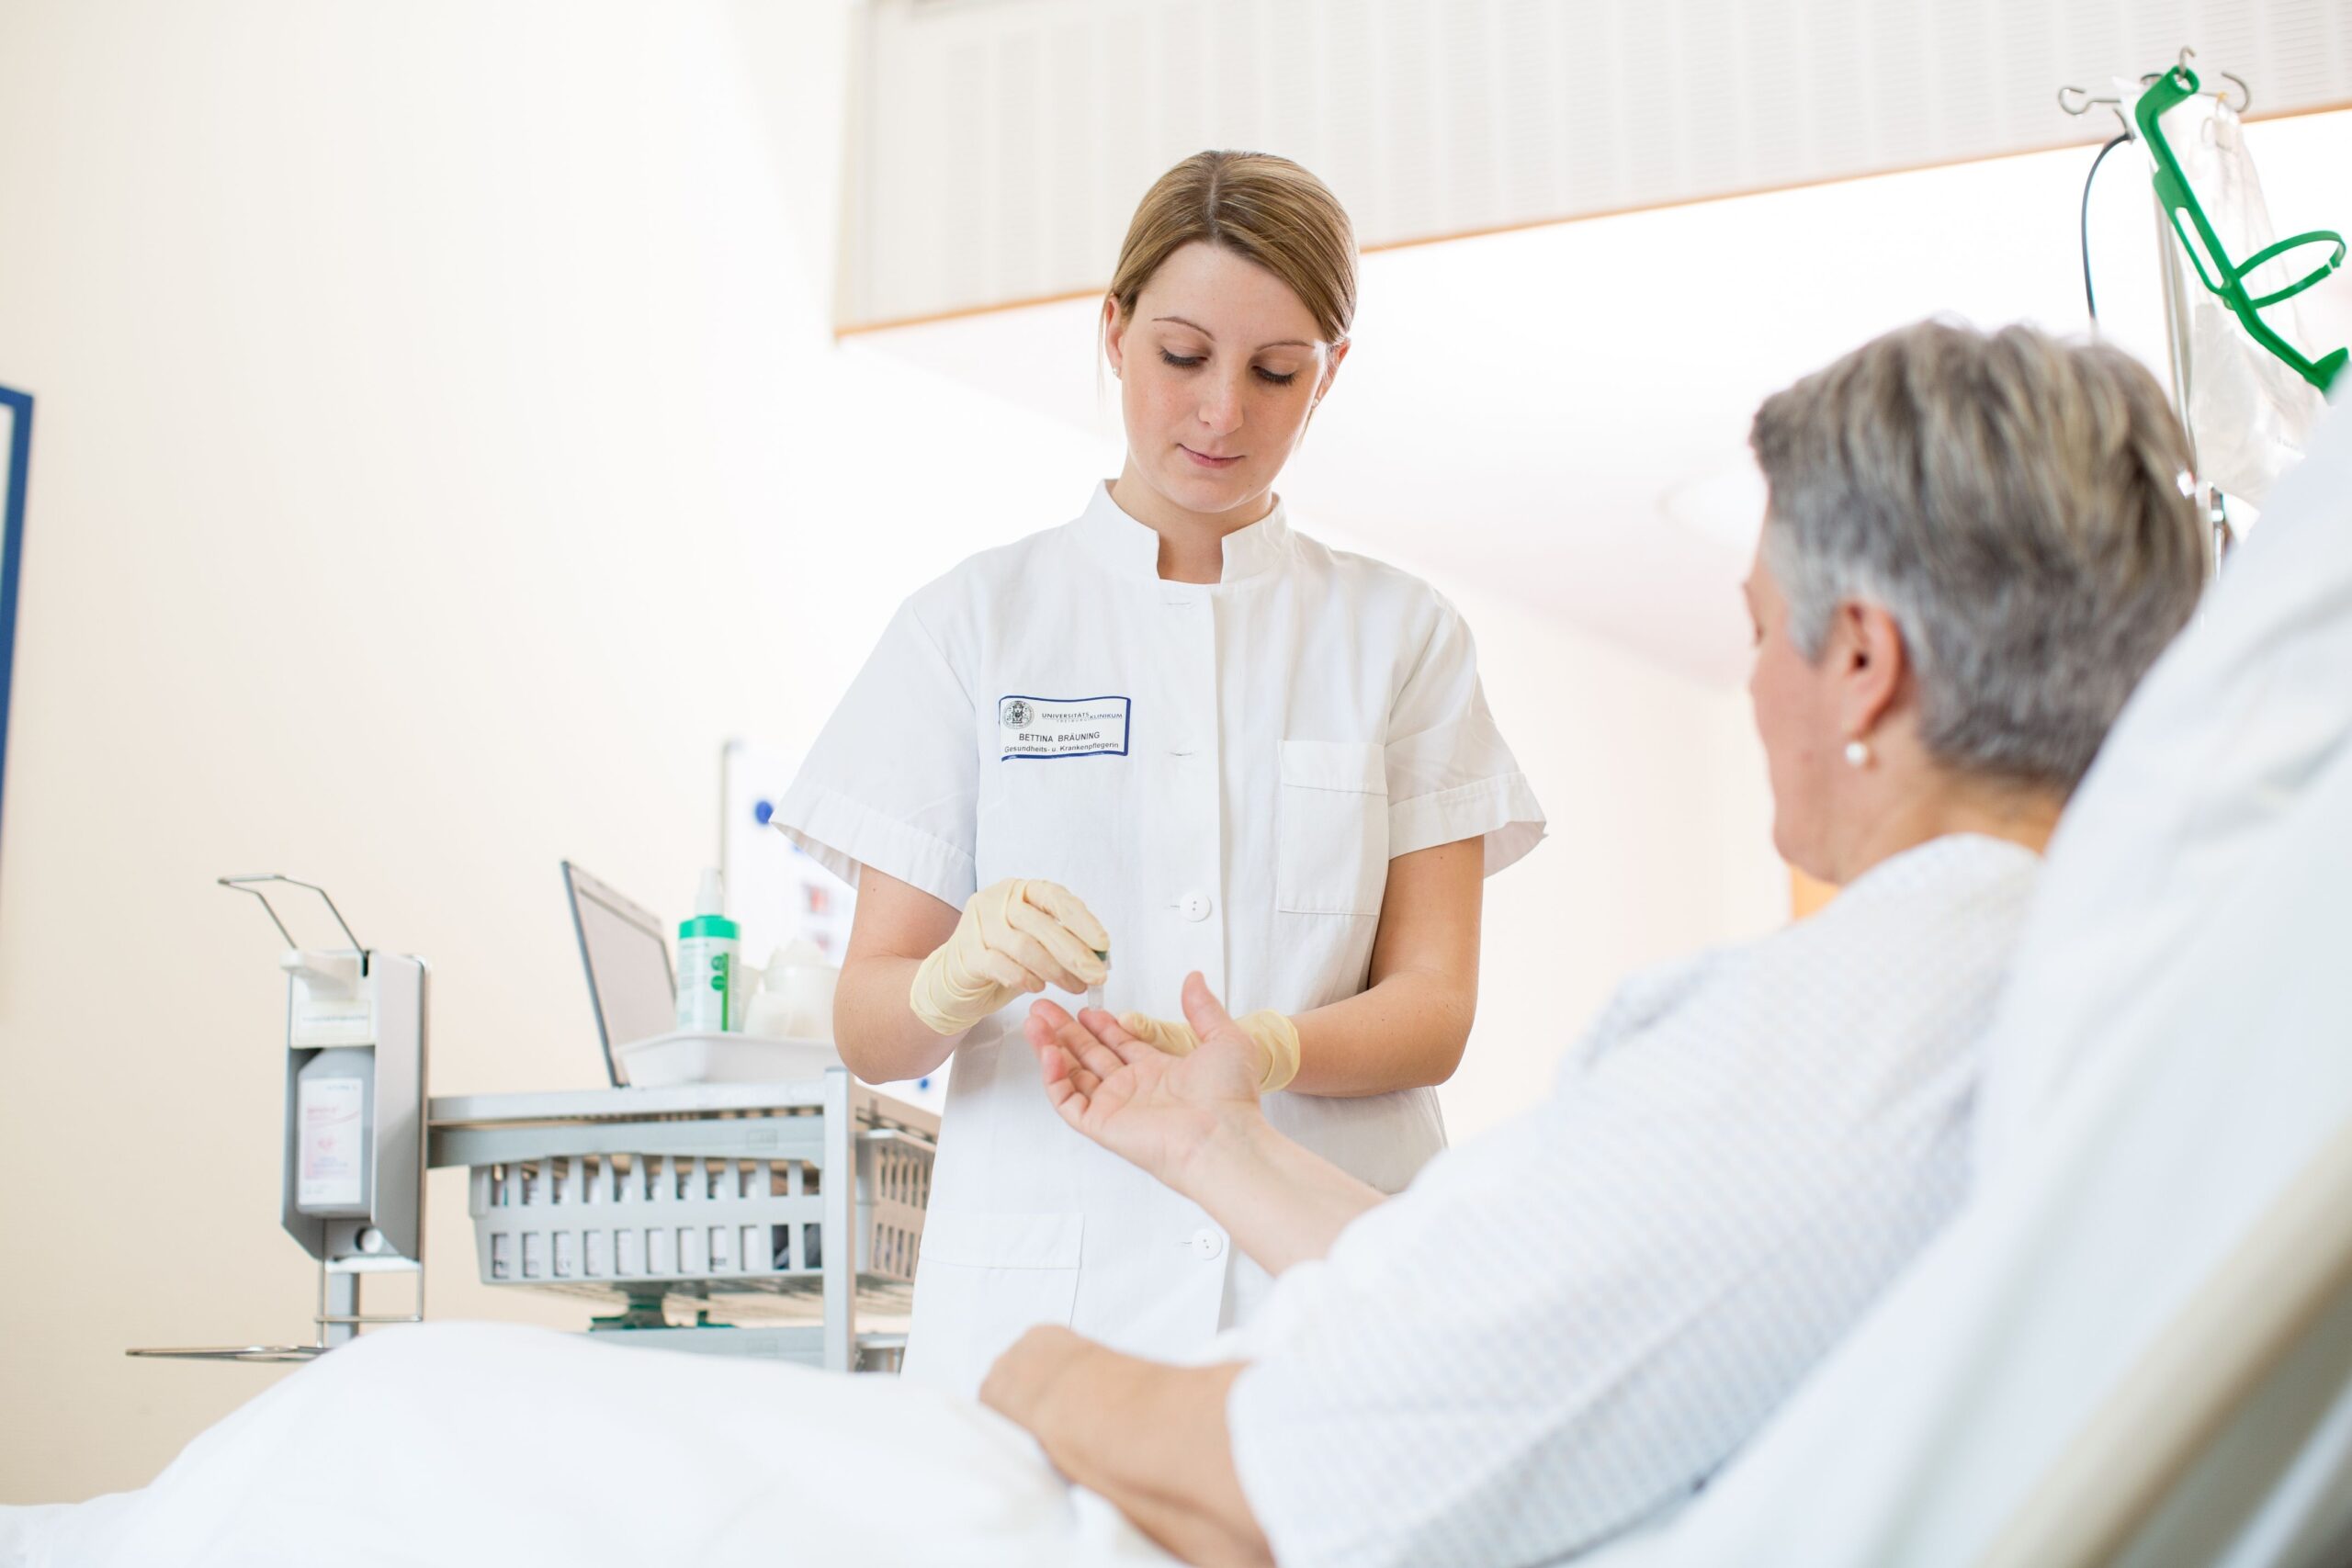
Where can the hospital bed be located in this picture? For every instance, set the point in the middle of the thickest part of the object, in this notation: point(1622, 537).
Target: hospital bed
point(2134, 1346)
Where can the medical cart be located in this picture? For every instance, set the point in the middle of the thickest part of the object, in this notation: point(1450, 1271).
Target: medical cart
point(795, 1200)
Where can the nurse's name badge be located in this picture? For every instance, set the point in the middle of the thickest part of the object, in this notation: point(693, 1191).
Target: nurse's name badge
point(1045, 727)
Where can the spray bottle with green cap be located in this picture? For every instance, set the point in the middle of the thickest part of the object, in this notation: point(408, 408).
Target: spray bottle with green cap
point(707, 961)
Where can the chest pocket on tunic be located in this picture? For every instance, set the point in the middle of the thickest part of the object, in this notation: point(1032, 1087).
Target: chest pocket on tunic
point(1333, 854)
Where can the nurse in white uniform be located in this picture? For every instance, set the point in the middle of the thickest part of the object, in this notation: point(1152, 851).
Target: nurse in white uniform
point(1175, 730)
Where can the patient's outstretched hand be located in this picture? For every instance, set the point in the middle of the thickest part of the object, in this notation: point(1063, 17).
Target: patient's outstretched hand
point(1152, 1109)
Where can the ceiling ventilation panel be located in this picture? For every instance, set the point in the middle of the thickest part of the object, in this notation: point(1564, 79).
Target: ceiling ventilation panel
point(999, 146)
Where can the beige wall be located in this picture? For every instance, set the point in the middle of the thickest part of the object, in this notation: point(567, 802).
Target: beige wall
point(440, 450)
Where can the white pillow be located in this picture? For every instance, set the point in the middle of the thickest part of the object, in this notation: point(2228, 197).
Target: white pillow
point(2210, 754)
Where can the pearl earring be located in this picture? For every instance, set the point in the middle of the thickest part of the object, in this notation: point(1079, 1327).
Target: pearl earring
point(1858, 752)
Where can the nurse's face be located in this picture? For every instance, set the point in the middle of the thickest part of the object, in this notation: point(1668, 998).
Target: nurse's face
point(1797, 715)
point(1218, 369)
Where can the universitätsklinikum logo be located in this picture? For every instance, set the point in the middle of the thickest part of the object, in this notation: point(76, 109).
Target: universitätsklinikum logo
point(1016, 714)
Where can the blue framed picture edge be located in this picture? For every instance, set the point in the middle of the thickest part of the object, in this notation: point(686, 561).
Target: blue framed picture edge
point(11, 552)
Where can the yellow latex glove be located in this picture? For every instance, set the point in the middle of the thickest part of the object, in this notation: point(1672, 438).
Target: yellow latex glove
point(1274, 1032)
point(1015, 937)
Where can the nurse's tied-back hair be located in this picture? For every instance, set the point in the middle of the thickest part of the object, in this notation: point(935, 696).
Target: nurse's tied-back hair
point(1263, 208)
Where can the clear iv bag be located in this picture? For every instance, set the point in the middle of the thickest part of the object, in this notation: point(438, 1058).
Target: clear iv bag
point(2249, 412)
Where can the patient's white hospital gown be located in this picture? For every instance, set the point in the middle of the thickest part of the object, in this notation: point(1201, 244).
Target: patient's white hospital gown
point(1564, 1327)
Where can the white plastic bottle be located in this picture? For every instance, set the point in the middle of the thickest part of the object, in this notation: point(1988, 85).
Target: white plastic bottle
point(334, 1112)
point(708, 958)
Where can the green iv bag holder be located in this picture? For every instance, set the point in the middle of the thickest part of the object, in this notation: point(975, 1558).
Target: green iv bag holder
point(2224, 279)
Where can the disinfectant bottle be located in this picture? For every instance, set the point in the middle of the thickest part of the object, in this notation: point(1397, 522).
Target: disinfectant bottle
point(706, 963)
point(333, 1097)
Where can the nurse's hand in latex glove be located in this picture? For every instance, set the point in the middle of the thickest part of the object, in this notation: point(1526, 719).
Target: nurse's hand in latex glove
point(1153, 1110)
point(1272, 1031)
point(1015, 937)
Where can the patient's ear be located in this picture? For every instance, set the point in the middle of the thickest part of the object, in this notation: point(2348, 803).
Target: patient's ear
point(1872, 665)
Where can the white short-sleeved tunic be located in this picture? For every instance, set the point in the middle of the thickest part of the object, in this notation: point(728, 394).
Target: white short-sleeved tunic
point(1221, 771)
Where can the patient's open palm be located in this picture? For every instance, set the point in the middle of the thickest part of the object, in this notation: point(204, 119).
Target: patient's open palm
point(1150, 1109)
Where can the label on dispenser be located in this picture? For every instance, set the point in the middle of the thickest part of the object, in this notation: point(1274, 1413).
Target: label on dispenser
point(330, 1020)
point(334, 1160)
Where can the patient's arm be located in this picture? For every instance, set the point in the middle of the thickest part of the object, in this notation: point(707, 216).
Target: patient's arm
point(1195, 1122)
point(1281, 1203)
point(1151, 1437)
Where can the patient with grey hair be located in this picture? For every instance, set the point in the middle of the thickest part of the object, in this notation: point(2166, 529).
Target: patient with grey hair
point(1975, 546)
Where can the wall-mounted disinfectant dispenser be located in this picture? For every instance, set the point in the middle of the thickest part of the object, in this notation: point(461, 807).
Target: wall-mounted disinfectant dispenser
point(354, 1123)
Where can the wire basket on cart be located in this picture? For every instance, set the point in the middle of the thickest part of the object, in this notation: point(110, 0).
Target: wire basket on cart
point(753, 1199)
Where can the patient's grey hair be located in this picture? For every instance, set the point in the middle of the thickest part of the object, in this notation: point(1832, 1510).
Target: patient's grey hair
point(2016, 505)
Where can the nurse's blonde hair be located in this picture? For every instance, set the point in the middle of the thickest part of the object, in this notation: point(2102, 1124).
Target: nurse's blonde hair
point(1264, 209)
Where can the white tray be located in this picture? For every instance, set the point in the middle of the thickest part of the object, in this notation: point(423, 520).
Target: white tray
point(669, 1059)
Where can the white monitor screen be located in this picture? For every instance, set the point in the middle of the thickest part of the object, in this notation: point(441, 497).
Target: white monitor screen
point(628, 962)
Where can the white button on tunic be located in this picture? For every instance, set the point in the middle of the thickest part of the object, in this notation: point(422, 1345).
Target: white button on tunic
point(1223, 772)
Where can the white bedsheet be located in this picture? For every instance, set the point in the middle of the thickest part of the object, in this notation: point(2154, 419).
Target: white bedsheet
point(504, 1445)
